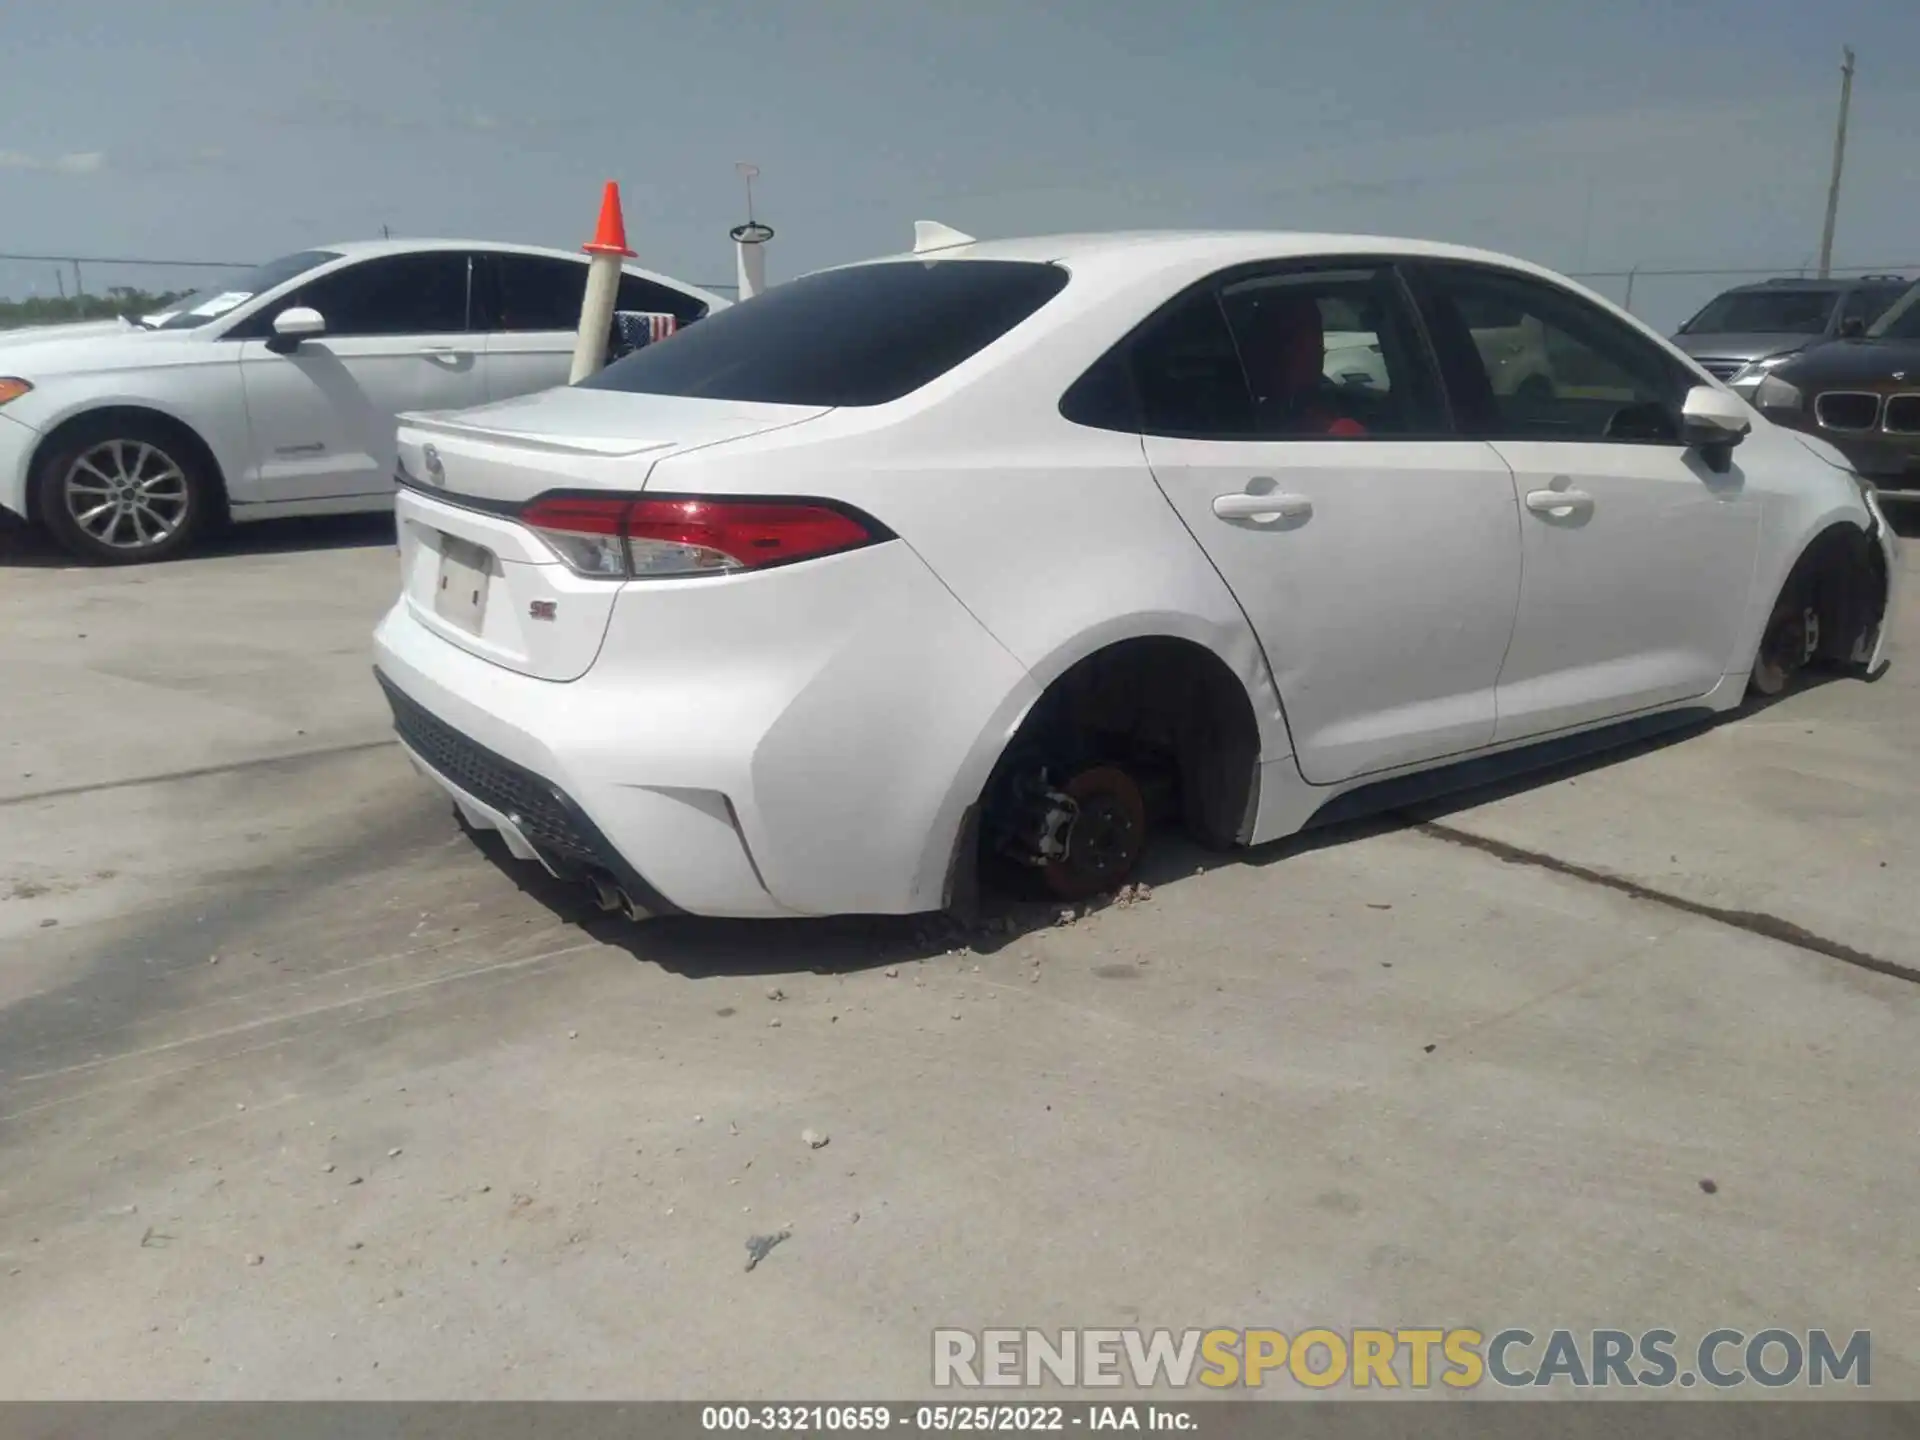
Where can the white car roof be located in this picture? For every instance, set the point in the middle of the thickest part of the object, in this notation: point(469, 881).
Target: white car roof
point(369, 249)
point(1156, 249)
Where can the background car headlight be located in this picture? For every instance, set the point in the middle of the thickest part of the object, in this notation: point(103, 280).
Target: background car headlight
point(12, 388)
point(1755, 370)
point(1776, 394)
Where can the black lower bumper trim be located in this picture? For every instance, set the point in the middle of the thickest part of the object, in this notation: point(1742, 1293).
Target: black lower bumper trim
point(550, 819)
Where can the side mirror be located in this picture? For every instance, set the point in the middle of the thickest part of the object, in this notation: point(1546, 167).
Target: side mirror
point(1710, 416)
point(293, 325)
point(1852, 327)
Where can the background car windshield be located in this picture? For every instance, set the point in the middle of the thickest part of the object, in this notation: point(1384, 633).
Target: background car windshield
point(1902, 320)
point(1766, 312)
point(859, 336)
point(210, 304)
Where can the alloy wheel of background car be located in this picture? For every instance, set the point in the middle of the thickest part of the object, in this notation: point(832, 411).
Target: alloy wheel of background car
point(1108, 837)
point(122, 495)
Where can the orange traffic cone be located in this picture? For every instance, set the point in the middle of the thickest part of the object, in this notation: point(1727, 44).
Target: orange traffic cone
point(610, 235)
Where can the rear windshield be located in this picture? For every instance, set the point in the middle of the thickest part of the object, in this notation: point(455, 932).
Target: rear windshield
point(1765, 312)
point(859, 336)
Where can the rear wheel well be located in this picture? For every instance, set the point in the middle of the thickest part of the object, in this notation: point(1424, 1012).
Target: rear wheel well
point(106, 417)
point(1166, 710)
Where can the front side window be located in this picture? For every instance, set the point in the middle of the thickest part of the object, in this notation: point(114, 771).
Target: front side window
point(863, 335)
point(1868, 304)
point(1901, 320)
point(420, 294)
point(1524, 359)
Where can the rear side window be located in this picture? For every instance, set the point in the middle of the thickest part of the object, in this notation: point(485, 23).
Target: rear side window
point(1187, 373)
point(639, 295)
point(533, 293)
point(537, 292)
point(1289, 353)
point(864, 335)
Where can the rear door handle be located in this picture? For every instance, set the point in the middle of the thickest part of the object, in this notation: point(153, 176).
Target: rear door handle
point(1558, 502)
point(1243, 506)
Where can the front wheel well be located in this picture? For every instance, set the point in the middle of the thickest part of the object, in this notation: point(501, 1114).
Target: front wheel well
point(105, 417)
point(1160, 707)
point(1842, 577)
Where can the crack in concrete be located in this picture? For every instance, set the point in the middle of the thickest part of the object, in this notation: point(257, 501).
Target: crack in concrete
point(1754, 922)
point(198, 772)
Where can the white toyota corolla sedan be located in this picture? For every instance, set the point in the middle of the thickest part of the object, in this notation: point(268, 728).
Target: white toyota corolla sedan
point(274, 392)
point(1006, 552)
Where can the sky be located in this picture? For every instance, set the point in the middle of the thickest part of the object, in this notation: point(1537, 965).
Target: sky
point(1587, 136)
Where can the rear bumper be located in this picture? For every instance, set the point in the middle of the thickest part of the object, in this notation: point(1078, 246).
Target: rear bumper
point(538, 820)
point(802, 742)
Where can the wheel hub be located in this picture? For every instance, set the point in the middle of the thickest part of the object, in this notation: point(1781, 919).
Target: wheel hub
point(126, 494)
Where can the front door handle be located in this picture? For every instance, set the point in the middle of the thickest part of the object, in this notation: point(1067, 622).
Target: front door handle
point(1559, 503)
point(1243, 506)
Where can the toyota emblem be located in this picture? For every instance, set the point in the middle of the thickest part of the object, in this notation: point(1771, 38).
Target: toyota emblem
point(436, 472)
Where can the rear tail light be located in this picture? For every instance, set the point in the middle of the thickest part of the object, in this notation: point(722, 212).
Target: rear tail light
point(622, 538)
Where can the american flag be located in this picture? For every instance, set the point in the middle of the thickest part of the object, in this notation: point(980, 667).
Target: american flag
point(634, 328)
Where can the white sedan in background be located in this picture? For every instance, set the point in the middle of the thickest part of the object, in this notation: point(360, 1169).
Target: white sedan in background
point(274, 393)
point(1005, 552)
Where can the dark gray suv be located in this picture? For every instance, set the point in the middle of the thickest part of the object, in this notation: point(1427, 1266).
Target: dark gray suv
point(1742, 334)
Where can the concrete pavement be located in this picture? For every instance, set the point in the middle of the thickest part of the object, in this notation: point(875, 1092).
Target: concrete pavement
point(302, 1094)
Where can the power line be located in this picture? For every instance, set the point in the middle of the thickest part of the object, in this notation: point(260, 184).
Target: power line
point(1737, 270)
point(111, 260)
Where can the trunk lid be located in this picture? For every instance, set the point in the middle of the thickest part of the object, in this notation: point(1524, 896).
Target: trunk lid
point(475, 576)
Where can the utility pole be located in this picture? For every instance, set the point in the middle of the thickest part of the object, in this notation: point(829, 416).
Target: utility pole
point(1839, 158)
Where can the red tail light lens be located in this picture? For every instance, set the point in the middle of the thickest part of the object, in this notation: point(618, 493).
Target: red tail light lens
point(657, 536)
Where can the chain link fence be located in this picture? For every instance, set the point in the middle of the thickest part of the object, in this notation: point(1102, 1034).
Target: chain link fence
point(44, 288)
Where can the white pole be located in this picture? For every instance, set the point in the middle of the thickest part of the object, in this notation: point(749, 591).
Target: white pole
point(608, 248)
point(751, 265)
point(1839, 159)
point(750, 242)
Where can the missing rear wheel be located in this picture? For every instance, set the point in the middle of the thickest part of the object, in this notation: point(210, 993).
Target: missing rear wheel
point(1107, 838)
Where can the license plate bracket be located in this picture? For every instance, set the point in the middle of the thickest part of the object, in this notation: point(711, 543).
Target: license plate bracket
point(460, 589)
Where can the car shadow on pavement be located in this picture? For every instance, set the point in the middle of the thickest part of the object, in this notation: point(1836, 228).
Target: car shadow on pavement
point(1523, 777)
point(701, 948)
point(23, 547)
